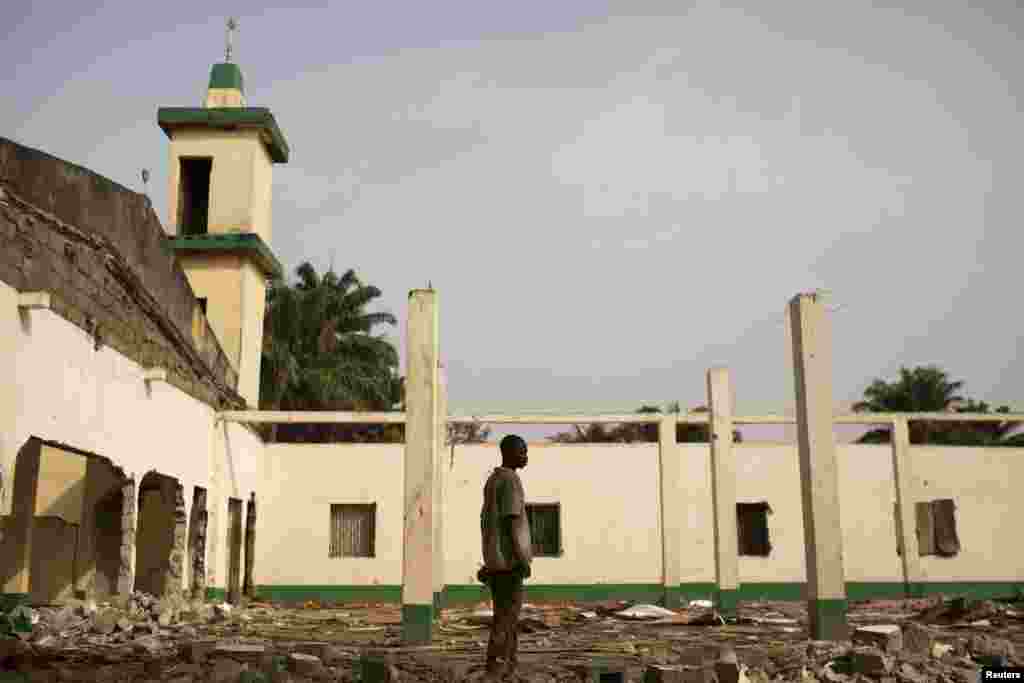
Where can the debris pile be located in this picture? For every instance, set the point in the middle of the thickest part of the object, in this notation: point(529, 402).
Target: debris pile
point(172, 639)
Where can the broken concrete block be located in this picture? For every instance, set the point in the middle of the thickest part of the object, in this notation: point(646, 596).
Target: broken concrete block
point(106, 621)
point(987, 646)
point(146, 644)
point(305, 665)
point(917, 638)
point(663, 674)
point(197, 651)
point(886, 637)
point(940, 650)
point(225, 671)
point(242, 651)
point(871, 662)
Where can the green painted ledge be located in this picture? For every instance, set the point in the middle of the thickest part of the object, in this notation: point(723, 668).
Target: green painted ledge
point(247, 242)
point(170, 118)
point(463, 594)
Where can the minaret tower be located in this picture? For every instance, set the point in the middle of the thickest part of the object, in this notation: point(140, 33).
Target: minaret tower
point(222, 155)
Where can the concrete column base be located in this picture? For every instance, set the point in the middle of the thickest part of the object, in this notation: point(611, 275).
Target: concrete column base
point(827, 619)
point(417, 622)
point(726, 601)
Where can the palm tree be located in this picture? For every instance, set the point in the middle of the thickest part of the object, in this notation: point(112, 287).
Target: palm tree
point(929, 389)
point(320, 353)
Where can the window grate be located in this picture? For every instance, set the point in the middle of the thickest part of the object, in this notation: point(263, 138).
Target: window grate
point(353, 530)
point(545, 521)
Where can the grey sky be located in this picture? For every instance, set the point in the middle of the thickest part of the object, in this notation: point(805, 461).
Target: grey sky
point(609, 196)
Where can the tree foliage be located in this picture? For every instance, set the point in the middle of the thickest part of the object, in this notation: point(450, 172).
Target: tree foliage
point(640, 433)
point(320, 352)
point(928, 388)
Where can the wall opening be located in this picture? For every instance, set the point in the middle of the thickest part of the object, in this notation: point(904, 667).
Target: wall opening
point(108, 533)
point(353, 530)
point(936, 528)
point(234, 586)
point(194, 195)
point(752, 529)
point(156, 533)
point(64, 537)
point(545, 521)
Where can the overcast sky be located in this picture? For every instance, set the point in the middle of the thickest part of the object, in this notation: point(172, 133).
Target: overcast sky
point(609, 197)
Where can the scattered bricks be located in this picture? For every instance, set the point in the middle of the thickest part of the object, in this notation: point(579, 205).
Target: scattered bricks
point(305, 665)
point(225, 671)
point(886, 637)
point(987, 646)
point(663, 674)
point(317, 649)
point(106, 621)
point(198, 650)
point(918, 638)
point(695, 656)
point(871, 662)
point(245, 652)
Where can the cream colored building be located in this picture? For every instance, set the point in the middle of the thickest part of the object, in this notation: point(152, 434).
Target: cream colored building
point(119, 345)
point(124, 341)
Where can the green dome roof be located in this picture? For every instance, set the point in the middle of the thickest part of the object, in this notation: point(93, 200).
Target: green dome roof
point(226, 75)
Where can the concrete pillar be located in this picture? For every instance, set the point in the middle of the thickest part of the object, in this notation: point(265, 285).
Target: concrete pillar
point(248, 587)
point(126, 570)
point(421, 441)
point(819, 485)
point(903, 479)
point(723, 490)
point(439, 486)
point(670, 473)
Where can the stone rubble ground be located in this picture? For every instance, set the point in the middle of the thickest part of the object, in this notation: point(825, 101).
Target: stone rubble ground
point(182, 641)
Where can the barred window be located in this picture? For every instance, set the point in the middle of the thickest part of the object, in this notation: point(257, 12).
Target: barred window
point(545, 528)
point(752, 529)
point(353, 530)
point(936, 528)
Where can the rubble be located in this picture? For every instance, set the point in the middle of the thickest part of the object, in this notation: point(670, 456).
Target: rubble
point(173, 639)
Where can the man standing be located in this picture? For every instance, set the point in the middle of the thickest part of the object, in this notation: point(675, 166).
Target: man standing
point(505, 532)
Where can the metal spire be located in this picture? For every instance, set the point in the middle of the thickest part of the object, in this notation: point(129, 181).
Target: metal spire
point(232, 27)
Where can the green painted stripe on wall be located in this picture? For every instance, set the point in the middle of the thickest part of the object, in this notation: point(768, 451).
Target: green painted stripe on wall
point(462, 594)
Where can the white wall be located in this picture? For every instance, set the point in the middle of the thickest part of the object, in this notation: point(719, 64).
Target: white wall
point(610, 512)
point(611, 525)
point(62, 389)
point(300, 482)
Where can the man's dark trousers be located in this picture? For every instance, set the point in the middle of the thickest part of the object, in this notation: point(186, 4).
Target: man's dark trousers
point(507, 593)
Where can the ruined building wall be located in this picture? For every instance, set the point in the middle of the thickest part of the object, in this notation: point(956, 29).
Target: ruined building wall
point(610, 519)
point(65, 390)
